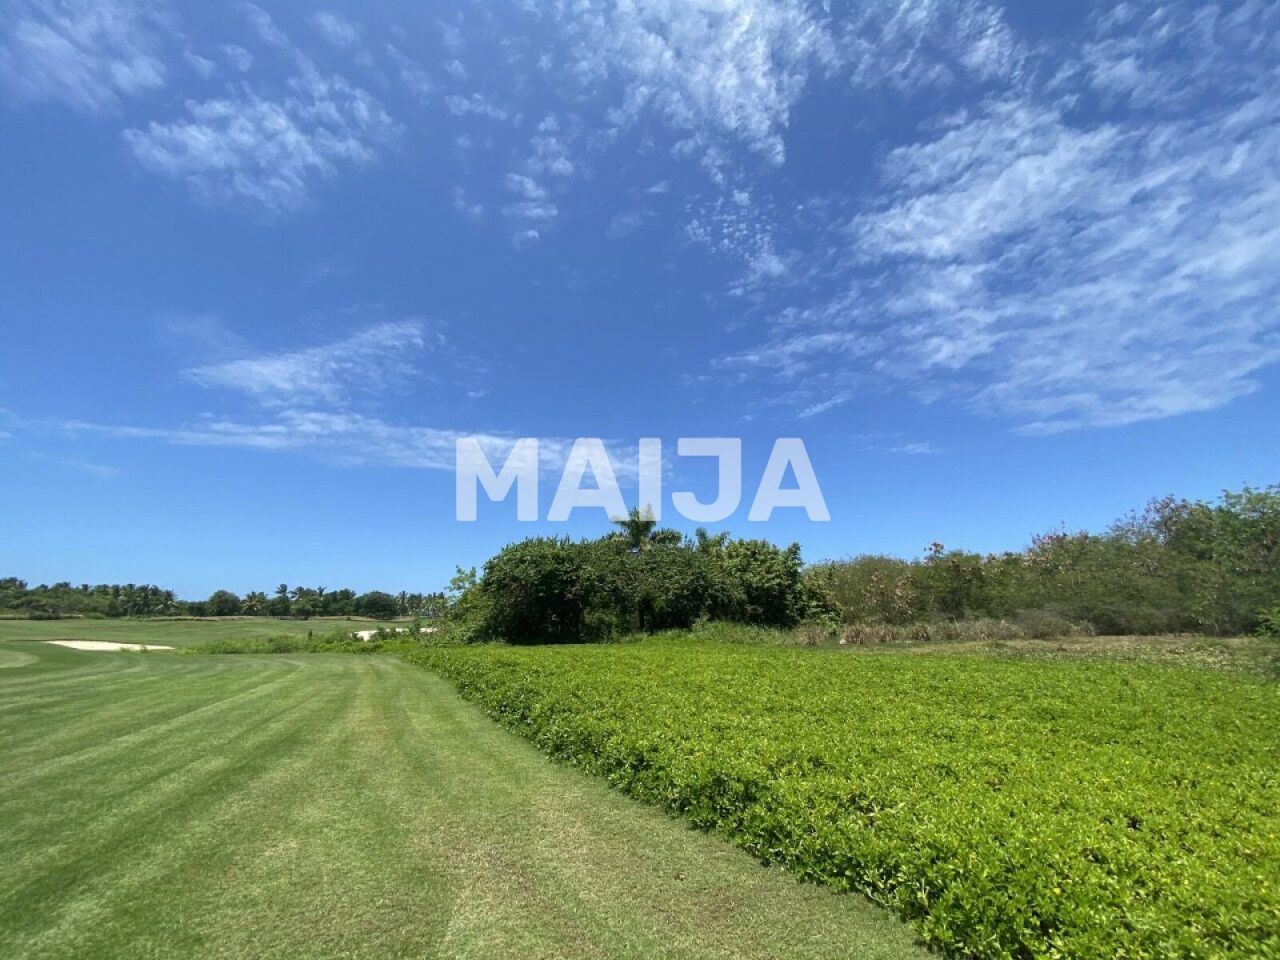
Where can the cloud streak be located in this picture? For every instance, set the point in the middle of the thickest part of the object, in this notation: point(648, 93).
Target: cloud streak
point(323, 375)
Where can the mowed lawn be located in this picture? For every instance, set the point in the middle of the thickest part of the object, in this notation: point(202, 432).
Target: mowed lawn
point(161, 805)
point(178, 633)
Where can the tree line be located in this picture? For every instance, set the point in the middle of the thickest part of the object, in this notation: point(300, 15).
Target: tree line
point(1177, 565)
point(146, 600)
point(1210, 567)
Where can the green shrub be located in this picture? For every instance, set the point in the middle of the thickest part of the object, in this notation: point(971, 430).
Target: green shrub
point(1008, 809)
point(550, 590)
point(1269, 622)
point(339, 642)
point(764, 582)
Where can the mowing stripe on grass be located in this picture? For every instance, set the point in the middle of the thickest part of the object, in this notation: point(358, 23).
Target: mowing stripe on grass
point(340, 806)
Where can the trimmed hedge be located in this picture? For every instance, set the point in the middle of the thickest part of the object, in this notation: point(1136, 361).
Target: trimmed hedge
point(1009, 809)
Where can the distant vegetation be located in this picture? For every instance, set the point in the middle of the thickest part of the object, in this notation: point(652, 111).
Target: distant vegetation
point(144, 600)
point(1009, 808)
point(1209, 567)
point(1178, 566)
point(1201, 567)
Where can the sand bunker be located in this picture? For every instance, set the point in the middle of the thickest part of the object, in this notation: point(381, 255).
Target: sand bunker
point(107, 645)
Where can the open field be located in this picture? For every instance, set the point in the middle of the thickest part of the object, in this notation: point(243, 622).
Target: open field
point(176, 633)
point(1009, 806)
point(158, 805)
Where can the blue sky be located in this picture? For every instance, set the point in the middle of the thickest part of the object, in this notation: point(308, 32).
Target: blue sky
point(1002, 267)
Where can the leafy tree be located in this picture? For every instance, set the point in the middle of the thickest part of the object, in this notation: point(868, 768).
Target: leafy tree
point(378, 605)
point(280, 605)
point(222, 603)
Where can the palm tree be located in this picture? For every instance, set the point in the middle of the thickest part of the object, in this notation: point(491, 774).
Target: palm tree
point(636, 528)
point(708, 543)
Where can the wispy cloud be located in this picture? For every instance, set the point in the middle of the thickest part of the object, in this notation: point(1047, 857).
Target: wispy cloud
point(89, 54)
point(532, 209)
point(348, 440)
point(1067, 272)
point(325, 375)
point(337, 29)
point(734, 226)
point(709, 70)
point(476, 104)
point(266, 149)
point(913, 45)
point(267, 153)
point(917, 449)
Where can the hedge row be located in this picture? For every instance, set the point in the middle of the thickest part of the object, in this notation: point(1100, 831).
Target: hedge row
point(1008, 809)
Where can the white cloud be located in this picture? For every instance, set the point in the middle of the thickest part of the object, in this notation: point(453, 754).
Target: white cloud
point(525, 186)
point(710, 67)
point(549, 152)
point(533, 184)
point(412, 74)
point(912, 45)
point(349, 440)
point(335, 28)
point(89, 54)
point(814, 409)
point(525, 238)
point(624, 224)
point(265, 27)
point(239, 58)
point(203, 66)
point(470, 210)
point(923, 448)
point(325, 375)
point(475, 105)
point(267, 154)
point(1062, 271)
point(736, 227)
point(450, 36)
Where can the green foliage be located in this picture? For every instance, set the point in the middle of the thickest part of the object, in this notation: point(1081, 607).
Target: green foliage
point(378, 605)
point(552, 590)
point(337, 642)
point(1177, 566)
point(765, 582)
point(1269, 622)
point(1010, 809)
point(133, 600)
point(222, 603)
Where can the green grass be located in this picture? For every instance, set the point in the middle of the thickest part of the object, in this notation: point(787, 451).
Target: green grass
point(175, 633)
point(308, 806)
point(1010, 807)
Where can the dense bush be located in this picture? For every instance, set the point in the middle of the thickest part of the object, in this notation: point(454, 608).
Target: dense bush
point(1269, 622)
point(1009, 809)
point(1177, 566)
point(555, 590)
point(288, 643)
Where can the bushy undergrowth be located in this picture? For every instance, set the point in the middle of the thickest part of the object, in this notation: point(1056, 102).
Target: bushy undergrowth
point(556, 590)
point(341, 642)
point(1205, 567)
point(1009, 809)
point(1269, 623)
